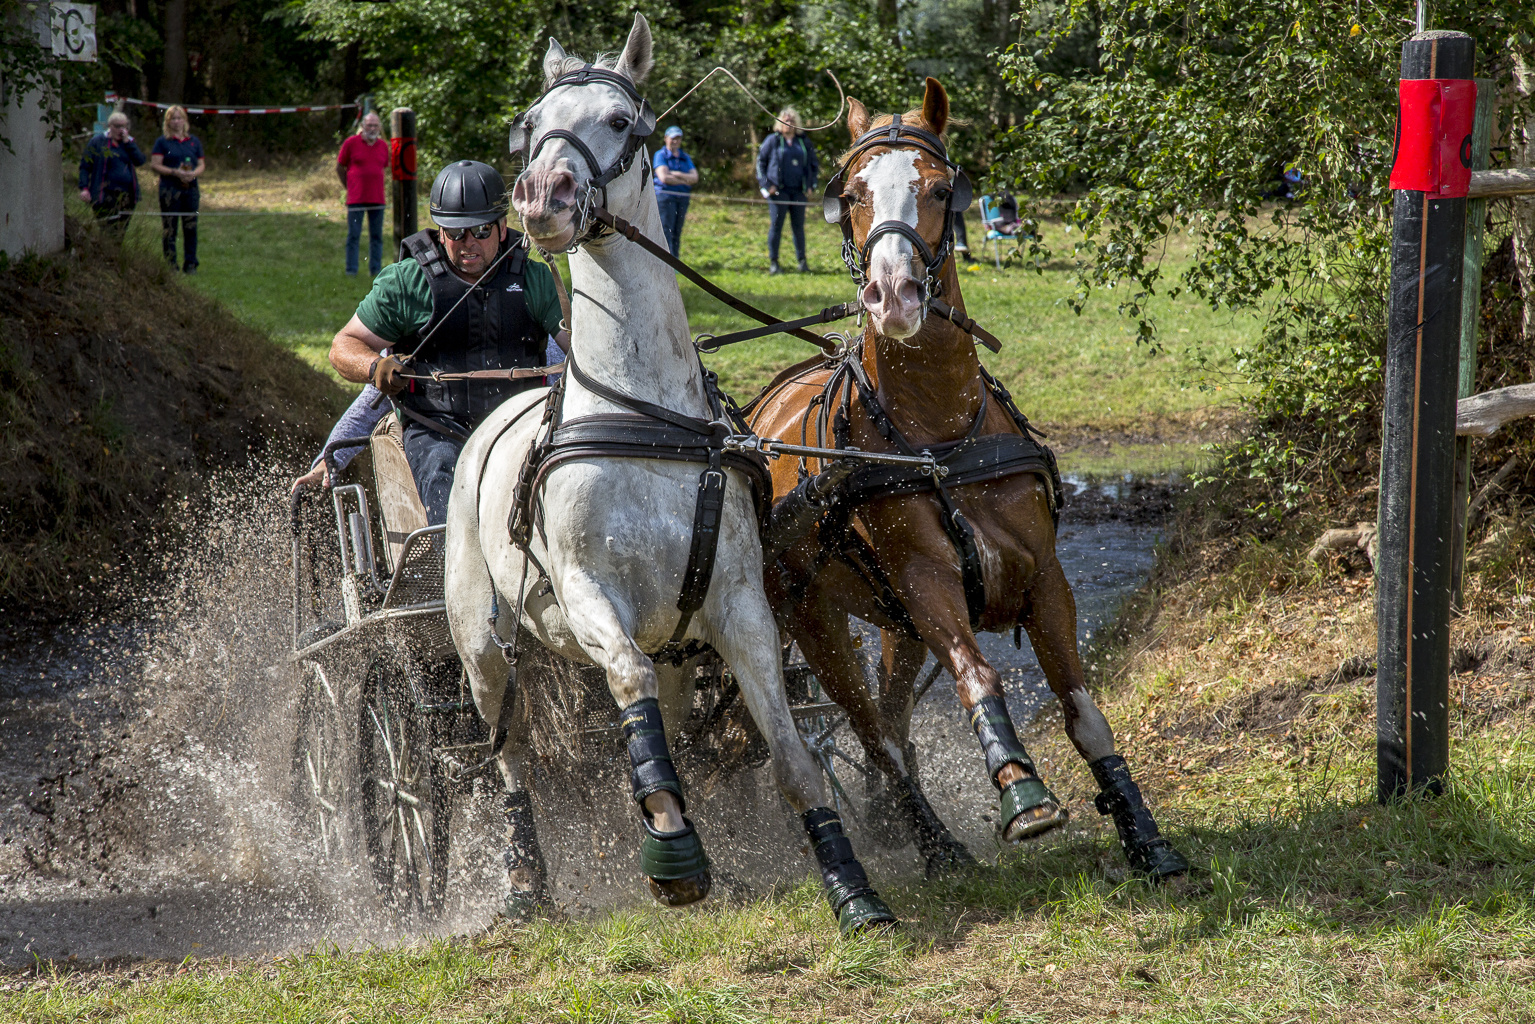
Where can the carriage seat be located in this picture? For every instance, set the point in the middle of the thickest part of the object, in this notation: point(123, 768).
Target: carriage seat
point(399, 504)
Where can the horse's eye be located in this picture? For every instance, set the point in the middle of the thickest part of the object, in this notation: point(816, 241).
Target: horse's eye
point(619, 124)
point(942, 194)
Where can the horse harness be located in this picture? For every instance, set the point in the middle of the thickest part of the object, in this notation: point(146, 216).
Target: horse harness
point(646, 431)
point(975, 458)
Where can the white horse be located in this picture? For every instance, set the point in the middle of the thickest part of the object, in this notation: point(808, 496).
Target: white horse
point(610, 547)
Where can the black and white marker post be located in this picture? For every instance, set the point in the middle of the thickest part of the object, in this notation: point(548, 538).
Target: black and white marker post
point(1417, 484)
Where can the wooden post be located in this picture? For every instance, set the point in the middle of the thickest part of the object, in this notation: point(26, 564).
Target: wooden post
point(402, 169)
point(1470, 314)
point(1418, 443)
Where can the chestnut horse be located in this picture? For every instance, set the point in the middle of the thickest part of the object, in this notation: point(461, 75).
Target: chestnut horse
point(931, 563)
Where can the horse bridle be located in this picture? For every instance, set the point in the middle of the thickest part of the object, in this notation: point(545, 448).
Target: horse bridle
point(837, 210)
point(587, 229)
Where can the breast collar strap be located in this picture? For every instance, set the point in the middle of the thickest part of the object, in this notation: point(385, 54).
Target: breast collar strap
point(587, 228)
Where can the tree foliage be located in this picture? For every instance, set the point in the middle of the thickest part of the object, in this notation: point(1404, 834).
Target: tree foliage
point(1186, 125)
point(465, 66)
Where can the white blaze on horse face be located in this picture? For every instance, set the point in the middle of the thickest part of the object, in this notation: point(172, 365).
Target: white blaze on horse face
point(893, 295)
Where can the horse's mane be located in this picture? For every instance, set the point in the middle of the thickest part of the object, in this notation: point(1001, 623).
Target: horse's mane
point(911, 117)
point(572, 62)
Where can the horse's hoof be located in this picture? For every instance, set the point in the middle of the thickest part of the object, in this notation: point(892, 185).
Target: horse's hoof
point(679, 892)
point(520, 907)
point(1158, 860)
point(675, 865)
point(865, 913)
point(1030, 809)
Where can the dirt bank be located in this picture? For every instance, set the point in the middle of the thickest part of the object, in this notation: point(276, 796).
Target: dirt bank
point(120, 391)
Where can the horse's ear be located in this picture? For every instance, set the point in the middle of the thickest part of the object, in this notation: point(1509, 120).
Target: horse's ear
point(636, 61)
point(857, 118)
point(935, 106)
point(552, 61)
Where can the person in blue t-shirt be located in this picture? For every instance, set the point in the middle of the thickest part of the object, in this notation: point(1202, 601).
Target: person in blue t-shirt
point(107, 179)
point(675, 176)
point(178, 158)
point(786, 170)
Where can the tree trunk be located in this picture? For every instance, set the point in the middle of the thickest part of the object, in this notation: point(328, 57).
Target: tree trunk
point(351, 83)
point(1522, 139)
point(173, 80)
point(885, 13)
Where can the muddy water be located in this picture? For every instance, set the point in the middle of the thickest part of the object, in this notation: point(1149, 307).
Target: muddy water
point(145, 795)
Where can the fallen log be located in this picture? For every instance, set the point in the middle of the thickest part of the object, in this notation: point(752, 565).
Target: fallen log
point(1482, 415)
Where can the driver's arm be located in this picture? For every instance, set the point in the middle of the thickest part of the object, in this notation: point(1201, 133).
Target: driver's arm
point(353, 350)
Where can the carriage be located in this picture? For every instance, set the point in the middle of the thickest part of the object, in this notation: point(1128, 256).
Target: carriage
point(388, 742)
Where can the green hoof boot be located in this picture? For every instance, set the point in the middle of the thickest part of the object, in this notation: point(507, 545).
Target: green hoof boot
point(1159, 859)
point(521, 907)
point(1029, 809)
point(865, 913)
point(675, 865)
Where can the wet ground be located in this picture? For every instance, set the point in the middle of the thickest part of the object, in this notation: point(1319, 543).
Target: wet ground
point(146, 804)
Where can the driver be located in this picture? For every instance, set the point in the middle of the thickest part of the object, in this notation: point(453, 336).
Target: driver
point(513, 308)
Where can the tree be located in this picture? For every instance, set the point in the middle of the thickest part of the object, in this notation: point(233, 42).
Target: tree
point(1195, 110)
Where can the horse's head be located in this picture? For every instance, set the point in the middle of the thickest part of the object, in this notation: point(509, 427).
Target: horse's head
point(580, 138)
point(894, 194)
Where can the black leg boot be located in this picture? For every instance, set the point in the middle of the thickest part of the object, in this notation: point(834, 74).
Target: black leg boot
point(674, 863)
point(522, 855)
point(1028, 808)
point(1143, 844)
point(854, 901)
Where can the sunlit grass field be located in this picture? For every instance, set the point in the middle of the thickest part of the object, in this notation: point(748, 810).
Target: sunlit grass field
point(279, 264)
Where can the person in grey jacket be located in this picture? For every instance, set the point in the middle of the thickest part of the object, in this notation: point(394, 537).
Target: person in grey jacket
point(786, 170)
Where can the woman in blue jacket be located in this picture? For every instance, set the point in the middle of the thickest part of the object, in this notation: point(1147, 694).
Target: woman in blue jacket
point(107, 178)
point(786, 171)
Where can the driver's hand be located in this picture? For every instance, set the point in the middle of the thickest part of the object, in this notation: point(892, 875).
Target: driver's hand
point(386, 375)
point(316, 477)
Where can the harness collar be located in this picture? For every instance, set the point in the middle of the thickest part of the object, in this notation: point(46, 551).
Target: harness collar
point(587, 230)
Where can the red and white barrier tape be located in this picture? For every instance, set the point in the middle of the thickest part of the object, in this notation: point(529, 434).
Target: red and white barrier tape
point(114, 98)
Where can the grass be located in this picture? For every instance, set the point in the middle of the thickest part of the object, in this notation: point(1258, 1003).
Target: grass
point(1328, 909)
point(281, 270)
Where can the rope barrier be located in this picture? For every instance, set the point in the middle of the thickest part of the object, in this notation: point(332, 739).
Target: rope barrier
point(114, 98)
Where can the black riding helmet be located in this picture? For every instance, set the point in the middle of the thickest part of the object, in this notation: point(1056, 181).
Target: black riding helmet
point(467, 193)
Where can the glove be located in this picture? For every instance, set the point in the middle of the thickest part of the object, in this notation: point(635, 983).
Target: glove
point(385, 373)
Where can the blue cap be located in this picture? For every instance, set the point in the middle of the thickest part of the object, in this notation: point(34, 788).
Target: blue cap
point(674, 132)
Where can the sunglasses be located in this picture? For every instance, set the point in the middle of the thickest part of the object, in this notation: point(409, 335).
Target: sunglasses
point(480, 231)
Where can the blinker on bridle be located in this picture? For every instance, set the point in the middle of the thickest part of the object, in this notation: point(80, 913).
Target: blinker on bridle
point(836, 208)
point(643, 127)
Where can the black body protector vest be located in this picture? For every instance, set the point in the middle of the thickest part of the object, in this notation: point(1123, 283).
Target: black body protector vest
point(490, 330)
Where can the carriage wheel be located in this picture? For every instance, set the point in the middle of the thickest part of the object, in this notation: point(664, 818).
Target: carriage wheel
point(407, 802)
point(321, 779)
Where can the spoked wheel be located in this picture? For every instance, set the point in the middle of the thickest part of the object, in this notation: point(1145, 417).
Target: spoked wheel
point(321, 777)
point(406, 798)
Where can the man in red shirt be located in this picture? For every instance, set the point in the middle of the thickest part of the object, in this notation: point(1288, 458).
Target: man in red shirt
point(361, 166)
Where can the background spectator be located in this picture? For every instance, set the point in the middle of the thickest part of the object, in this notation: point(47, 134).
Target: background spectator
point(177, 157)
point(675, 175)
point(107, 179)
point(786, 170)
point(361, 166)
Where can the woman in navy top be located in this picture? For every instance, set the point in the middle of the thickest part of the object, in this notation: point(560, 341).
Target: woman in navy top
point(675, 176)
point(178, 158)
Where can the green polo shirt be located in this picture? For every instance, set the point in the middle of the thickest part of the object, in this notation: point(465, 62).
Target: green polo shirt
point(401, 301)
